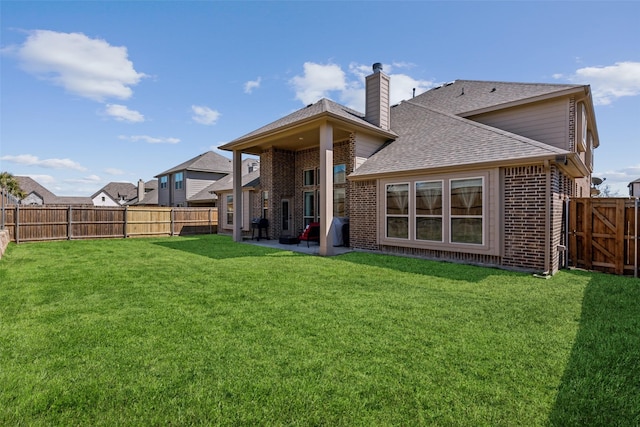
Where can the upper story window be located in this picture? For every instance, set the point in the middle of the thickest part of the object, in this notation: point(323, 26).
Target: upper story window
point(163, 181)
point(582, 138)
point(179, 180)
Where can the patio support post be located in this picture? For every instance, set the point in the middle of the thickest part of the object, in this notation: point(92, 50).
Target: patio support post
point(326, 189)
point(237, 196)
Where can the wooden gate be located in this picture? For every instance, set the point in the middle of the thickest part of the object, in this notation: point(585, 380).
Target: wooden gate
point(603, 235)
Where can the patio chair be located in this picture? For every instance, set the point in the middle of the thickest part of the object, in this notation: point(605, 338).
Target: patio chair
point(310, 233)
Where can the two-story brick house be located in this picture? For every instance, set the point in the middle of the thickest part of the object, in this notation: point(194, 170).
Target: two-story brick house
point(470, 171)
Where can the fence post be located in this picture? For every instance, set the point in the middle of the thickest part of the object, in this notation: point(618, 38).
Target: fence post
point(171, 215)
point(17, 226)
point(69, 215)
point(126, 222)
point(210, 221)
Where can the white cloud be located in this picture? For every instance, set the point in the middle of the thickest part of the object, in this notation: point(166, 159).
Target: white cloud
point(87, 67)
point(251, 85)
point(123, 114)
point(610, 82)
point(619, 179)
point(204, 115)
point(149, 139)
point(318, 81)
point(114, 171)
point(30, 160)
point(91, 179)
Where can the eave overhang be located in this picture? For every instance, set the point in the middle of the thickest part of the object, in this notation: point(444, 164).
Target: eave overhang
point(303, 134)
point(570, 164)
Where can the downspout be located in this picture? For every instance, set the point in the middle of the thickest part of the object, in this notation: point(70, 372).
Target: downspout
point(547, 219)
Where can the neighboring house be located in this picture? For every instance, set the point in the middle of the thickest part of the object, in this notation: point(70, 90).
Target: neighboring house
point(470, 171)
point(179, 185)
point(37, 195)
point(147, 193)
point(115, 194)
point(634, 188)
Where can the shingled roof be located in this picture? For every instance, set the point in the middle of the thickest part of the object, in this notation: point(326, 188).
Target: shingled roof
point(433, 133)
point(463, 97)
point(312, 111)
point(430, 139)
point(118, 191)
point(205, 162)
point(29, 185)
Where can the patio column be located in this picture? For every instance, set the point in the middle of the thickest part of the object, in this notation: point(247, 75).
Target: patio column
point(237, 196)
point(326, 189)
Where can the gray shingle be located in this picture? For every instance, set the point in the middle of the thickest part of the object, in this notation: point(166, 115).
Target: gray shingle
point(430, 139)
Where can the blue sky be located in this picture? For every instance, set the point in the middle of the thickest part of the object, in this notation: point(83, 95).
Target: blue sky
point(93, 92)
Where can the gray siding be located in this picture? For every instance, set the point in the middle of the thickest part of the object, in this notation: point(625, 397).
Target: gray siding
point(198, 181)
point(546, 122)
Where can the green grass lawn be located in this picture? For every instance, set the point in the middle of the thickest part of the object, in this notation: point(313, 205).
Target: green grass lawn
point(204, 331)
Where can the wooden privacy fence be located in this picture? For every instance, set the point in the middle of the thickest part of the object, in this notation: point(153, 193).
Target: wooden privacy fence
point(38, 223)
point(604, 234)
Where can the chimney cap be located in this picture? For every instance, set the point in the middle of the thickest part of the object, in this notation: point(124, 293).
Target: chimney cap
point(377, 67)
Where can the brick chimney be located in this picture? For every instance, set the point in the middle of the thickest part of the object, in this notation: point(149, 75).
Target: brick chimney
point(377, 98)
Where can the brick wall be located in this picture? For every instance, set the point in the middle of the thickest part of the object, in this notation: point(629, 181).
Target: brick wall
point(363, 222)
point(524, 217)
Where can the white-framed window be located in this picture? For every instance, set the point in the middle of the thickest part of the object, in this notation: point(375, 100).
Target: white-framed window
point(163, 181)
point(397, 210)
point(179, 181)
point(308, 177)
point(582, 139)
point(466, 211)
point(440, 212)
point(229, 209)
point(309, 205)
point(428, 210)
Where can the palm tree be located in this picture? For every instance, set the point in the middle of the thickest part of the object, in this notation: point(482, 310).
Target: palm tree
point(9, 187)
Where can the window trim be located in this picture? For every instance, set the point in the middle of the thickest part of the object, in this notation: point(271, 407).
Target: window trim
point(491, 237)
point(451, 216)
point(416, 215)
point(407, 216)
point(178, 183)
point(229, 211)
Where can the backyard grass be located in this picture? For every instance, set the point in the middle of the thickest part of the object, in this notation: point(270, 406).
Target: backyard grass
point(204, 331)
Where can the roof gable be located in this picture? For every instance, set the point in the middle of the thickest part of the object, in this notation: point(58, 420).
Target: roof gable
point(321, 108)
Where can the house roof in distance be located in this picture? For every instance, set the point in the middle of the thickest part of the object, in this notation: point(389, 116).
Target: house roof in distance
point(205, 162)
point(117, 190)
point(29, 185)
